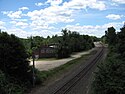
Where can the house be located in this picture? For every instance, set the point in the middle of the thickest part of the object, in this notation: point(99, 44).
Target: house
point(46, 51)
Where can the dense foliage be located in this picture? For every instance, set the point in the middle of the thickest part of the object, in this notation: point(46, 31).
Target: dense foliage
point(66, 44)
point(73, 42)
point(13, 57)
point(10, 85)
point(111, 36)
point(121, 42)
point(110, 78)
point(63, 49)
point(14, 66)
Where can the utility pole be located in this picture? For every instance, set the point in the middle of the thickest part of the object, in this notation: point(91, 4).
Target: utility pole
point(33, 57)
point(4, 60)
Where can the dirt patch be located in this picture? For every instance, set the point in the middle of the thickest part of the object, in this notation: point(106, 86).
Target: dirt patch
point(46, 65)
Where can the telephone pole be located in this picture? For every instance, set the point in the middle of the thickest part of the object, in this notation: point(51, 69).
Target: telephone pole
point(33, 57)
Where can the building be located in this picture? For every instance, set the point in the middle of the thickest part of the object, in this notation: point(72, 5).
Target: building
point(46, 51)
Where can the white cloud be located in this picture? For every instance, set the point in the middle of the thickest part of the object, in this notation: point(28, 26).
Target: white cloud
point(2, 27)
point(18, 32)
point(24, 8)
point(54, 2)
point(119, 1)
point(55, 14)
point(87, 29)
point(39, 4)
point(116, 25)
point(24, 34)
point(97, 30)
point(113, 16)
point(67, 10)
point(2, 23)
point(40, 26)
point(13, 15)
point(22, 20)
point(83, 4)
point(21, 24)
point(97, 5)
point(114, 4)
point(50, 15)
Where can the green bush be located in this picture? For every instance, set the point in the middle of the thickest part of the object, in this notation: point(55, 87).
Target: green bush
point(13, 57)
point(110, 78)
point(15, 72)
point(10, 86)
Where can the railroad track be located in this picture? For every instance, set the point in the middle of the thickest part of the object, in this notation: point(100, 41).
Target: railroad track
point(72, 82)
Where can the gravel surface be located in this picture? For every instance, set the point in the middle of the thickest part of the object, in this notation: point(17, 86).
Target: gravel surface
point(46, 65)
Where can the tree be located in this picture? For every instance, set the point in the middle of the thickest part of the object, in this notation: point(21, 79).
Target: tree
point(103, 39)
point(63, 47)
point(95, 39)
point(121, 41)
point(111, 36)
point(74, 38)
point(110, 77)
point(88, 43)
point(73, 42)
point(13, 57)
point(54, 39)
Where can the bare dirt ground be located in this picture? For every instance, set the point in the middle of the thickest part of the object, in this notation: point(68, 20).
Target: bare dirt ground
point(46, 65)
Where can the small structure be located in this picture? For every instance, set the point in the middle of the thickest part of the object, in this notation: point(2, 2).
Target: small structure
point(46, 51)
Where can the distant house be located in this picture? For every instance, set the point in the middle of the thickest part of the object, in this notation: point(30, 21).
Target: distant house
point(46, 51)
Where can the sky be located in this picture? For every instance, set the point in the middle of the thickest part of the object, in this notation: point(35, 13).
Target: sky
point(26, 18)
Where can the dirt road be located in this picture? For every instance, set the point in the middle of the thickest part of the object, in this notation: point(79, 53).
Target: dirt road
point(46, 65)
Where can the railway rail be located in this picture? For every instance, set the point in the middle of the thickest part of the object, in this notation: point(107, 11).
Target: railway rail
point(72, 82)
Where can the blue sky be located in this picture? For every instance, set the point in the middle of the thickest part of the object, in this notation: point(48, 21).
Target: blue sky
point(48, 17)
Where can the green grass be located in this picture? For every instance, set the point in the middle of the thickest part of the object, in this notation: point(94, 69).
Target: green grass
point(43, 75)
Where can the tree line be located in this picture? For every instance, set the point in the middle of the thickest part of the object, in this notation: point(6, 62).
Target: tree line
point(70, 41)
point(110, 78)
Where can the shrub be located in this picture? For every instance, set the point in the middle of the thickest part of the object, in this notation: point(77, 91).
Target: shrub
point(110, 78)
